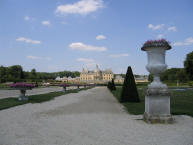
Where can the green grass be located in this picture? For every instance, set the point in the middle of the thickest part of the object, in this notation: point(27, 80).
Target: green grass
point(181, 102)
point(11, 102)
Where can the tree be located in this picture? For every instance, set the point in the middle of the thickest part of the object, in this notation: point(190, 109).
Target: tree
point(181, 75)
point(109, 85)
point(2, 74)
point(113, 85)
point(32, 74)
point(129, 90)
point(150, 77)
point(188, 65)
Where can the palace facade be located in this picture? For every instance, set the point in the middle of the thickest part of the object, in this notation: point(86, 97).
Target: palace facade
point(96, 75)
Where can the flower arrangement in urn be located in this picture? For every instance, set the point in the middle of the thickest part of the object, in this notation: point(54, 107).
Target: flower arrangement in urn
point(156, 43)
point(22, 87)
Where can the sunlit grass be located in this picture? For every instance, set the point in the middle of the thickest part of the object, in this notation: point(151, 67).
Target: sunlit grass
point(181, 102)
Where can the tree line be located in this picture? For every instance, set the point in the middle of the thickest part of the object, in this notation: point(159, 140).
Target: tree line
point(181, 74)
point(16, 73)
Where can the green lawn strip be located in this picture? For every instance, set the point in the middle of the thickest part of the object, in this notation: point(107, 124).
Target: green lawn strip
point(181, 102)
point(11, 102)
point(132, 108)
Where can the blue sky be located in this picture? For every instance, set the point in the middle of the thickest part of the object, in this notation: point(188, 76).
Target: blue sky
point(57, 35)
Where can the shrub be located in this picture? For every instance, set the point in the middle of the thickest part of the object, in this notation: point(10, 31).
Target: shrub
point(113, 85)
point(109, 85)
point(129, 91)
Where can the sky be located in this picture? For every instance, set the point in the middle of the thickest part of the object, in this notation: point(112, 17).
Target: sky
point(57, 35)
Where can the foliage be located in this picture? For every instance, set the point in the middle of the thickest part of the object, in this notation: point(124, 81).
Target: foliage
point(181, 102)
point(150, 77)
point(15, 73)
point(22, 85)
point(132, 107)
point(64, 85)
point(129, 92)
point(111, 85)
point(172, 74)
point(188, 65)
point(156, 43)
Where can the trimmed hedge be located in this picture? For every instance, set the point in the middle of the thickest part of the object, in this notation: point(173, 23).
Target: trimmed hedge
point(129, 92)
point(111, 85)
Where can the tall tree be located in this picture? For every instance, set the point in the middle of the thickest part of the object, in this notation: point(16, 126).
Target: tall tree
point(2, 74)
point(188, 65)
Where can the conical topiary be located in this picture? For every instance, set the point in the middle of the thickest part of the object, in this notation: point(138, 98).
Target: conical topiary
point(113, 85)
point(129, 91)
point(109, 85)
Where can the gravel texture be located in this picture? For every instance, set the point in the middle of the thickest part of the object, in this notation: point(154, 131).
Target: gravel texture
point(91, 117)
point(15, 93)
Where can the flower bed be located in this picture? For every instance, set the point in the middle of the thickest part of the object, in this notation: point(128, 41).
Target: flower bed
point(156, 43)
point(22, 85)
point(64, 85)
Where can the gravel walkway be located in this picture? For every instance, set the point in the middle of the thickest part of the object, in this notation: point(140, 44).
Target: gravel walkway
point(35, 91)
point(91, 117)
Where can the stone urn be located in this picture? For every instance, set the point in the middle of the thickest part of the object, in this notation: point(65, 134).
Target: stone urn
point(64, 86)
point(64, 89)
point(157, 98)
point(22, 87)
point(22, 96)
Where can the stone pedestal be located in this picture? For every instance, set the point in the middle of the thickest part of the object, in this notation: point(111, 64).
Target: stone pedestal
point(157, 106)
point(22, 96)
point(64, 89)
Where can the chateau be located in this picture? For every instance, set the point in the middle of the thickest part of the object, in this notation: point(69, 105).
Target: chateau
point(96, 75)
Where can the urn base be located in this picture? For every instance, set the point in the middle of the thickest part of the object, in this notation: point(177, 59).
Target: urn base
point(153, 119)
point(157, 106)
point(23, 98)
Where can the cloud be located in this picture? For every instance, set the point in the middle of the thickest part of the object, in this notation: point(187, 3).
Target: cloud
point(38, 58)
point(100, 37)
point(186, 42)
point(173, 28)
point(27, 18)
point(160, 36)
point(46, 23)
point(81, 7)
point(119, 55)
point(156, 27)
point(83, 47)
point(27, 40)
point(86, 60)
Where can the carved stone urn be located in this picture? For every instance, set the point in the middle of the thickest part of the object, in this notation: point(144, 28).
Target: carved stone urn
point(157, 98)
point(64, 86)
point(22, 96)
point(22, 86)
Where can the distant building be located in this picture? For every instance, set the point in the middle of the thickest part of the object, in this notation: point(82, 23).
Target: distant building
point(119, 79)
point(96, 75)
point(68, 79)
point(141, 79)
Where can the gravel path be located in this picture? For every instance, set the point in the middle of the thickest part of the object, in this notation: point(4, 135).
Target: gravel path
point(35, 91)
point(91, 117)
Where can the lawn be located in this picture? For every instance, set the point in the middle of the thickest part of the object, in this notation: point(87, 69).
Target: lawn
point(11, 102)
point(181, 102)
